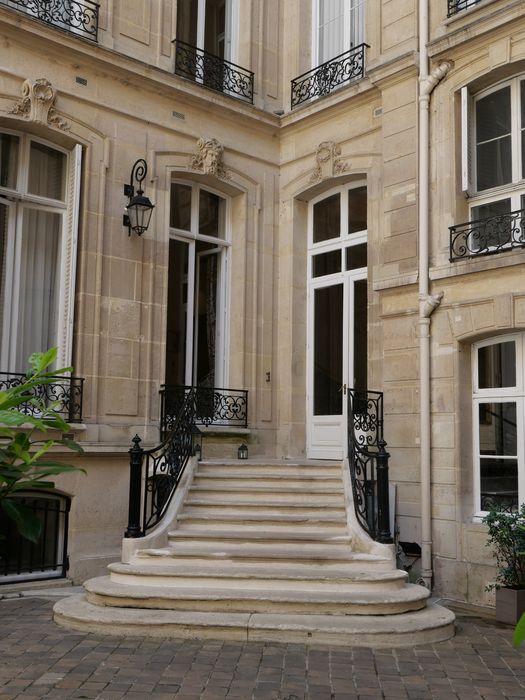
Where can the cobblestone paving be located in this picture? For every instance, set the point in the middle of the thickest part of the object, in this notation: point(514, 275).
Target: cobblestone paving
point(40, 660)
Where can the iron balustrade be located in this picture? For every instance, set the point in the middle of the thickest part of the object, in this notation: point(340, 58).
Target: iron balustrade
point(21, 559)
point(155, 473)
point(368, 462)
point(455, 6)
point(75, 16)
point(213, 406)
point(213, 72)
point(66, 392)
point(325, 78)
point(488, 236)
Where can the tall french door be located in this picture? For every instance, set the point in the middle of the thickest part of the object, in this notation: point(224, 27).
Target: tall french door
point(196, 304)
point(337, 317)
point(338, 27)
point(207, 25)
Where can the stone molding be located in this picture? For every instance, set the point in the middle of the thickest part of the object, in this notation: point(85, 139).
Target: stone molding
point(208, 158)
point(37, 104)
point(328, 161)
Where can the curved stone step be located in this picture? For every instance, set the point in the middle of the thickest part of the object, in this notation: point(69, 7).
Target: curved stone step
point(326, 577)
point(305, 600)
point(277, 535)
point(261, 551)
point(336, 523)
point(429, 625)
point(192, 505)
point(269, 472)
point(249, 481)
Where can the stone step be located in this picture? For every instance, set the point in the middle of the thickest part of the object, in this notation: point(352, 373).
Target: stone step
point(252, 507)
point(268, 471)
point(247, 482)
point(252, 495)
point(267, 535)
point(265, 599)
point(429, 625)
point(260, 551)
point(270, 522)
point(316, 576)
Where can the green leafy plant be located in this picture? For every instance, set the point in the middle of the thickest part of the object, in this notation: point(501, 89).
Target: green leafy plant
point(25, 461)
point(507, 540)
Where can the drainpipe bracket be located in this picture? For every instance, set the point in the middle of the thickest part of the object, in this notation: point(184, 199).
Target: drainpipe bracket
point(430, 303)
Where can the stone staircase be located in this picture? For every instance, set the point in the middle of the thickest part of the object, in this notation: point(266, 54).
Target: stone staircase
point(262, 552)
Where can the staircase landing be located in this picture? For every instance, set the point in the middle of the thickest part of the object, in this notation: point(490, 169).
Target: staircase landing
point(265, 552)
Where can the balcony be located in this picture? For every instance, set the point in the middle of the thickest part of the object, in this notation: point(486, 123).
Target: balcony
point(74, 16)
point(213, 72)
point(455, 6)
point(318, 82)
point(487, 236)
point(66, 392)
point(213, 406)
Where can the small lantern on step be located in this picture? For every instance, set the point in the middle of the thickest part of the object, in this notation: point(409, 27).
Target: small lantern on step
point(196, 439)
point(242, 452)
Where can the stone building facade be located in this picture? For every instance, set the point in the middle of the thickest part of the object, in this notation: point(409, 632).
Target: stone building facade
point(286, 251)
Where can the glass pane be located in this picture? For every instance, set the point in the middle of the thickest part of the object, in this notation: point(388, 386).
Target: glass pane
point(39, 284)
point(331, 28)
point(360, 335)
point(493, 115)
point(176, 314)
point(328, 350)
point(180, 206)
point(46, 171)
point(215, 24)
point(8, 160)
point(356, 256)
point(485, 211)
point(187, 21)
point(497, 429)
point(497, 365)
point(326, 263)
point(499, 484)
point(327, 219)
point(205, 319)
point(3, 260)
point(494, 163)
point(357, 210)
point(211, 214)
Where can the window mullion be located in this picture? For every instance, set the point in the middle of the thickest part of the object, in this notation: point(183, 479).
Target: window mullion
point(515, 125)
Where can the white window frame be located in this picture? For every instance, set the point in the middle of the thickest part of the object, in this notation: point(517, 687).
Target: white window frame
point(514, 394)
point(19, 199)
point(222, 337)
point(512, 190)
point(353, 31)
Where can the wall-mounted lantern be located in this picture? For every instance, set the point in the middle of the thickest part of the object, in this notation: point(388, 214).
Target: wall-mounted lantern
point(139, 208)
point(242, 452)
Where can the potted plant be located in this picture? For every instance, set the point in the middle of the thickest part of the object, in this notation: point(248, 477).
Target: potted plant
point(507, 540)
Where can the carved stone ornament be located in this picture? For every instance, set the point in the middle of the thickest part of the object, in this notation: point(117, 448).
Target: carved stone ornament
point(208, 158)
point(37, 104)
point(328, 161)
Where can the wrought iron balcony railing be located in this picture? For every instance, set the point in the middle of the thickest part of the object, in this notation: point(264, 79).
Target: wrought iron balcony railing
point(455, 6)
point(328, 76)
point(66, 391)
point(213, 72)
point(213, 406)
point(368, 462)
point(494, 234)
point(75, 16)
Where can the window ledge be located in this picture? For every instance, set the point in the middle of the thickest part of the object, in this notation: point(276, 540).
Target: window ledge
point(507, 258)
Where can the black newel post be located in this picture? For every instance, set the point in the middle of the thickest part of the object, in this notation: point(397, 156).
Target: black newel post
point(383, 505)
point(135, 483)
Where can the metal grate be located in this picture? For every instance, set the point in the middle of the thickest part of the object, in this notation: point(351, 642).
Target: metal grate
point(66, 391)
point(213, 406)
point(488, 236)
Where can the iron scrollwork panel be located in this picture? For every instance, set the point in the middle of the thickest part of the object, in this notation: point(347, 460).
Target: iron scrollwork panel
point(77, 16)
point(65, 393)
point(487, 236)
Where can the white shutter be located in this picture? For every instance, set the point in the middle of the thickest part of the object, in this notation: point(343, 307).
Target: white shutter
point(69, 261)
point(466, 141)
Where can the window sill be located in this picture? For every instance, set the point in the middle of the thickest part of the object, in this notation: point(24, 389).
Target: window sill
point(507, 258)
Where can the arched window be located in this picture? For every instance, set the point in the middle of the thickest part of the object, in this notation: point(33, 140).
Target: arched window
point(498, 418)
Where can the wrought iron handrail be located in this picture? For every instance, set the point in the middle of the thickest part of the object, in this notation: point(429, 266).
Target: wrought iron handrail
point(487, 236)
point(368, 462)
point(212, 71)
point(67, 391)
point(323, 79)
point(75, 16)
point(213, 406)
point(455, 6)
point(155, 473)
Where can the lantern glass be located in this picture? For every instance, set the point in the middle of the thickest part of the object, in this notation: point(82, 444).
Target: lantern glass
point(139, 211)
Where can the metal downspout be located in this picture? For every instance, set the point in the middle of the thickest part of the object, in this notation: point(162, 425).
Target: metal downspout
point(427, 303)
